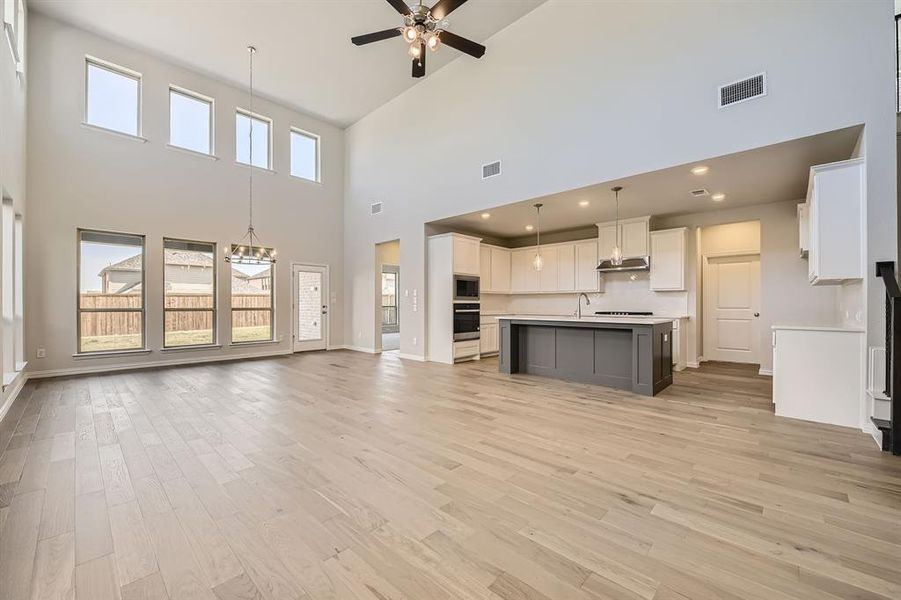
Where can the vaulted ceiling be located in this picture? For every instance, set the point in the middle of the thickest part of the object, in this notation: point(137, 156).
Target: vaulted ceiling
point(305, 59)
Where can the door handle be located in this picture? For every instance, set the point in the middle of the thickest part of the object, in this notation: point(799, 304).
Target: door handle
point(756, 314)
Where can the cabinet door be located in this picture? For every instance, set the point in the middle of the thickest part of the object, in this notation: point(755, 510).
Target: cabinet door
point(523, 278)
point(500, 270)
point(606, 240)
point(486, 282)
point(634, 238)
point(668, 260)
point(488, 338)
point(547, 277)
point(566, 268)
point(466, 256)
point(586, 266)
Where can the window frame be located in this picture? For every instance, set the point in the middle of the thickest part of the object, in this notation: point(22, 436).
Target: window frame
point(200, 98)
point(124, 72)
point(214, 309)
point(232, 309)
point(318, 140)
point(258, 117)
point(78, 310)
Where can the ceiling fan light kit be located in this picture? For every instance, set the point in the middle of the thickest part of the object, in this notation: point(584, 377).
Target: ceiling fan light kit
point(423, 28)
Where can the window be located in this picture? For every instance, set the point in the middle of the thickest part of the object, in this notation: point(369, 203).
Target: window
point(190, 121)
point(19, 304)
point(189, 302)
point(304, 155)
point(262, 142)
point(8, 295)
point(110, 291)
point(113, 98)
point(251, 302)
point(14, 24)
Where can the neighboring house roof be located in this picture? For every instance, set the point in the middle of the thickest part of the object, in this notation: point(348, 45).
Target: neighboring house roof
point(261, 275)
point(173, 257)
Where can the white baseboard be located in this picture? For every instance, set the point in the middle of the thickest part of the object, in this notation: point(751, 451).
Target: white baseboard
point(103, 368)
point(692, 364)
point(13, 390)
point(874, 433)
point(763, 371)
point(415, 357)
point(358, 349)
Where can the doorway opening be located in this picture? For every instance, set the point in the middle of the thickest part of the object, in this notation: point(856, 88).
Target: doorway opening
point(310, 285)
point(388, 321)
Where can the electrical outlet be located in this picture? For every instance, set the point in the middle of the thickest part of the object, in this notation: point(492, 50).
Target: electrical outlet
point(42, 353)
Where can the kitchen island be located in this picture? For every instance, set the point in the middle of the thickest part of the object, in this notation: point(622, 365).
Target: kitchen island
point(625, 353)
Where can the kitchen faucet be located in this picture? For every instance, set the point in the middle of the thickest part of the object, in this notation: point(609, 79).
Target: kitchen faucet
point(587, 303)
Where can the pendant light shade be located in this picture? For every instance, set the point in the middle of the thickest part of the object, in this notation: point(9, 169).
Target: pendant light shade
point(616, 256)
point(538, 262)
point(250, 251)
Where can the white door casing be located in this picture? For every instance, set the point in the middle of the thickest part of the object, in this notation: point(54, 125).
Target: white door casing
point(732, 308)
point(310, 307)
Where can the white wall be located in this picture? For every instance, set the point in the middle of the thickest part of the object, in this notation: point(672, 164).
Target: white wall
point(12, 154)
point(626, 88)
point(80, 177)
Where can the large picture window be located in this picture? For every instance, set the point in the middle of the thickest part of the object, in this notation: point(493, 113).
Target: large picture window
point(252, 302)
point(110, 291)
point(189, 302)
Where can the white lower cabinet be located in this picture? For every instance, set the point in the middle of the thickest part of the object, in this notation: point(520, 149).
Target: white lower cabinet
point(818, 374)
point(680, 344)
point(466, 350)
point(488, 340)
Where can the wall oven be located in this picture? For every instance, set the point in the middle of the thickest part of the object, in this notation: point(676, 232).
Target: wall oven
point(466, 288)
point(466, 321)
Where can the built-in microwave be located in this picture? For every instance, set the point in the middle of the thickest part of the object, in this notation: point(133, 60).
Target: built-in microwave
point(466, 321)
point(466, 288)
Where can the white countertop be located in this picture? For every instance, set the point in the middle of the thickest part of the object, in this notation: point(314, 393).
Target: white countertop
point(590, 319)
point(840, 328)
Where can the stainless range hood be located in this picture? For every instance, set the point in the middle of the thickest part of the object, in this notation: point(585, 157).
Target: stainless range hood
point(641, 263)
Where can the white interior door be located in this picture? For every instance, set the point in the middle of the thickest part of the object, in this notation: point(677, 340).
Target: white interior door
point(732, 308)
point(310, 307)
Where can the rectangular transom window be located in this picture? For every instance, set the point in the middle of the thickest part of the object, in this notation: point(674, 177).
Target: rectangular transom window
point(252, 302)
point(261, 127)
point(190, 121)
point(110, 291)
point(113, 98)
point(189, 297)
point(304, 155)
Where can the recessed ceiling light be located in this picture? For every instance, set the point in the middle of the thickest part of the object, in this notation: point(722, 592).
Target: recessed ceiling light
point(718, 197)
point(699, 170)
point(529, 227)
point(583, 203)
point(486, 215)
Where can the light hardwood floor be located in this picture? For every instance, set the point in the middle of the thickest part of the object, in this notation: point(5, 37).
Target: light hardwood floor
point(345, 475)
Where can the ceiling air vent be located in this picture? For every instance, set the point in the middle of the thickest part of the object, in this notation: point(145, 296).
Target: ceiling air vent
point(699, 193)
point(491, 169)
point(375, 208)
point(740, 91)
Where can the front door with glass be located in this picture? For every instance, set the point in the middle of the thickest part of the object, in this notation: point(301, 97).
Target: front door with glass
point(310, 291)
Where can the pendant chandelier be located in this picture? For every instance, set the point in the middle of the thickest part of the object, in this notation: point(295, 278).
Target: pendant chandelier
point(538, 262)
point(616, 257)
point(249, 251)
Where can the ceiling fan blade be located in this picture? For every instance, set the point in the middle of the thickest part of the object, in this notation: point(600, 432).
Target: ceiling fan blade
point(400, 6)
point(462, 44)
point(443, 8)
point(419, 63)
point(378, 36)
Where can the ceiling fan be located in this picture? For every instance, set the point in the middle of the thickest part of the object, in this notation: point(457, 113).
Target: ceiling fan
point(424, 28)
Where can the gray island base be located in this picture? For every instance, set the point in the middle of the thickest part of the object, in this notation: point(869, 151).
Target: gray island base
point(625, 353)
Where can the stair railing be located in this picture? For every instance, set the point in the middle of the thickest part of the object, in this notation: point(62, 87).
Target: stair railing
point(885, 270)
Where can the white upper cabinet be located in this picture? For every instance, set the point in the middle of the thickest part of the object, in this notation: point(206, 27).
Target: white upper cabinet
point(668, 260)
point(547, 277)
point(587, 277)
point(466, 255)
point(633, 237)
point(835, 196)
point(804, 228)
point(523, 276)
point(567, 267)
point(494, 263)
